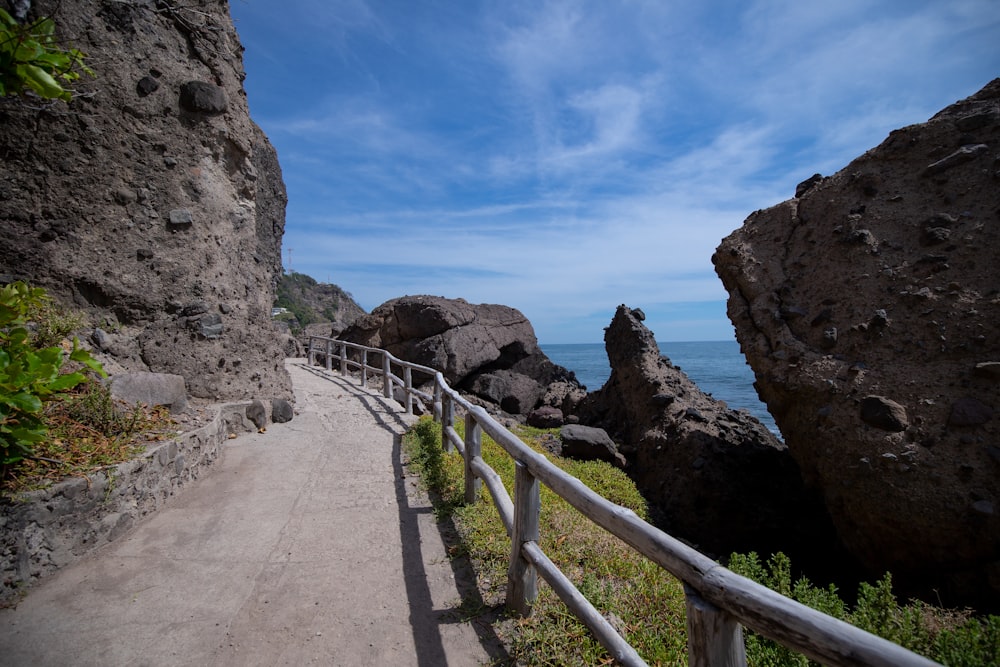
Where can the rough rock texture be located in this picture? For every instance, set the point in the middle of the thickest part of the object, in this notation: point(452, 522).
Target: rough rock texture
point(488, 350)
point(868, 309)
point(720, 479)
point(150, 389)
point(152, 200)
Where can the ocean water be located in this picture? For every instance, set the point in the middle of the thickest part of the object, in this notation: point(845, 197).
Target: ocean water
point(717, 367)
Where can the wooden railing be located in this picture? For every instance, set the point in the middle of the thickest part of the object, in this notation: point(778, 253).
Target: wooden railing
point(719, 602)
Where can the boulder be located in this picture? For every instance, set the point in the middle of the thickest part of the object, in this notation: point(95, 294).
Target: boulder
point(257, 413)
point(451, 335)
point(281, 411)
point(487, 350)
point(891, 417)
point(545, 416)
point(589, 444)
point(513, 392)
point(150, 389)
point(716, 477)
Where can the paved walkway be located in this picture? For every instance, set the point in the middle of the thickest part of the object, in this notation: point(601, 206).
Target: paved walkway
point(304, 545)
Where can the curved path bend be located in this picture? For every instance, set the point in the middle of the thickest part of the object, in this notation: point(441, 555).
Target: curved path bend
point(307, 544)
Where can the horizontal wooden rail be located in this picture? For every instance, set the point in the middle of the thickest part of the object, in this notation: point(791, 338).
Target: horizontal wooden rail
point(719, 601)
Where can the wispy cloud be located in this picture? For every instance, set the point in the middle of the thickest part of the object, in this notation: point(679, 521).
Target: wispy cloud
point(565, 156)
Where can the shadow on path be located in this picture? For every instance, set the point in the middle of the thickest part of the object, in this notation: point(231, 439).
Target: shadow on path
point(424, 619)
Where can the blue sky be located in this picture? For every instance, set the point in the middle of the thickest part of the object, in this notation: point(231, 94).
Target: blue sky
point(564, 157)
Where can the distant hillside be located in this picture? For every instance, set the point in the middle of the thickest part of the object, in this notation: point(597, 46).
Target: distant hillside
point(308, 302)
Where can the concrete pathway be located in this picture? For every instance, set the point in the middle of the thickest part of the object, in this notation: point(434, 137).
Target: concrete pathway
point(304, 545)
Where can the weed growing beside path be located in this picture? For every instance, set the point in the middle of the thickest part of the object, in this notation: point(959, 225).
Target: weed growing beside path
point(57, 419)
point(643, 601)
point(88, 431)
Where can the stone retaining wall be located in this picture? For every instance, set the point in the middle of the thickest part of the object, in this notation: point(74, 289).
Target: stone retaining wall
point(45, 530)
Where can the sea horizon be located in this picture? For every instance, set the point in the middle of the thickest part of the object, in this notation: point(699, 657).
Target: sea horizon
point(717, 367)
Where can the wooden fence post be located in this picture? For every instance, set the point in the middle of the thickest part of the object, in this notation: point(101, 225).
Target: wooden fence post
point(329, 353)
point(715, 639)
point(447, 419)
point(343, 358)
point(522, 579)
point(408, 388)
point(473, 448)
point(309, 353)
point(364, 368)
point(386, 375)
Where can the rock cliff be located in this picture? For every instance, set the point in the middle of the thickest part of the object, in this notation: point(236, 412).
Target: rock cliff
point(152, 201)
point(868, 308)
point(717, 476)
point(326, 306)
point(487, 350)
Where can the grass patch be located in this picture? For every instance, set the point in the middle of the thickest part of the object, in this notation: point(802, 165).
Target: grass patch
point(88, 431)
point(642, 600)
point(646, 602)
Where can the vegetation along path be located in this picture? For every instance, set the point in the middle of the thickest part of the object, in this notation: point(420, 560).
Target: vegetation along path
point(304, 544)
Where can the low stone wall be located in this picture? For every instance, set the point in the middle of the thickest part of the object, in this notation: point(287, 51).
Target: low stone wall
point(42, 531)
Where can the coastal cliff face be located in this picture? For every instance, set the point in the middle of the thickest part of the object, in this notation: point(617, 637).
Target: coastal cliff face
point(868, 307)
point(152, 201)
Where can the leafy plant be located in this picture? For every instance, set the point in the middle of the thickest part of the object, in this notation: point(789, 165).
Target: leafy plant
point(31, 58)
point(30, 375)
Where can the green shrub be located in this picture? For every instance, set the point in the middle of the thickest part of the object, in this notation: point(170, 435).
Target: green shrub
point(29, 375)
point(32, 59)
point(948, 636)
point(50, 324)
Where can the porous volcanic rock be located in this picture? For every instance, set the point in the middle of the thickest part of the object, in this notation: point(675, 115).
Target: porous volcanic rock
point(487, 350)
point(152, 201)
point(867, 308)
point(719, 478)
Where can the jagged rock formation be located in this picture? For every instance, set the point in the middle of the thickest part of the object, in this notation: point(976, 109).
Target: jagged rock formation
point(487, 350)
point(152, 200)
point(868, 308)
point(719, 478)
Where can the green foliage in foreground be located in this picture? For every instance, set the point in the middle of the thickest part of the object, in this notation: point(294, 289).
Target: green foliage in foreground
point(647, 602)
point(32, 59)
point(29, 373)
point(950, 637)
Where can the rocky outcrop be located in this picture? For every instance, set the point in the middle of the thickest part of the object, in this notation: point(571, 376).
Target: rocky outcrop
point(868, 308)
point(320, 308)
point(152, 201)
point(717, 476)
point(487, 350)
